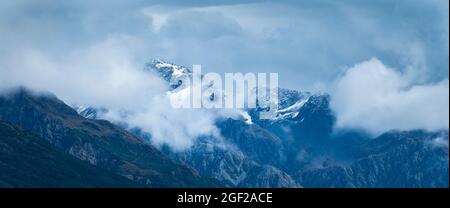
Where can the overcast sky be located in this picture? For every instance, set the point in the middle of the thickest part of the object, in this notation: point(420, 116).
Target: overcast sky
point(307, 42)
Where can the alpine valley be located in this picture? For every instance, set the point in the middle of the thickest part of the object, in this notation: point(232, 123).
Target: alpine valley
point(299, 147)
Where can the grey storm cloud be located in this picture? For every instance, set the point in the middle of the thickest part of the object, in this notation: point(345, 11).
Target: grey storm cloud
point(307, 42)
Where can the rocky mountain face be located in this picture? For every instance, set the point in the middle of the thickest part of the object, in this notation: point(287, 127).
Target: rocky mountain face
point(99, 142)
point(223, 160)
point(395, 159)
point(29, 161)
point(228, 164)
point(317, 156)
point(175, 75)
point(299, 147)
point(300, 142)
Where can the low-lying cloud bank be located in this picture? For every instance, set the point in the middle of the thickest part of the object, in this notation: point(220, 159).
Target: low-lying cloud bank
point(102, 74)
point(377, 98)
point(106, 75)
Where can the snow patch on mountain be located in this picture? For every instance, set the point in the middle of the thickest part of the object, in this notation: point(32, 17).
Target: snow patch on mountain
point(247, 117)
point(86, 111)
point(291, 111)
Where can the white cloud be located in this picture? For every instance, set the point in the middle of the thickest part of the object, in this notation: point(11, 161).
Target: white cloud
point(440, 142)
point(178, 128)
point(375, 97)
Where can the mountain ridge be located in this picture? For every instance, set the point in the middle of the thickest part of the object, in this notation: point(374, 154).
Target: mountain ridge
point(97, 141)
point(29, 161)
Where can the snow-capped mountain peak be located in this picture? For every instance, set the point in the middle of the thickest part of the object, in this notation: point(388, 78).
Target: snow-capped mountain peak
point(172, 73)
point(87, 112)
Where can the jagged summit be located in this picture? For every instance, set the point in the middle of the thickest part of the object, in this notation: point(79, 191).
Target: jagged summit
point(172, 73)
point(290, 101)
